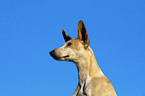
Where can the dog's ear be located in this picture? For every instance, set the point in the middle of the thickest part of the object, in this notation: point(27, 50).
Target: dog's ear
point(82, 34)
point(65, 36)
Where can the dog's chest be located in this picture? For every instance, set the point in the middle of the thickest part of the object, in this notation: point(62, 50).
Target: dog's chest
point(85, 88)
point(82, 92)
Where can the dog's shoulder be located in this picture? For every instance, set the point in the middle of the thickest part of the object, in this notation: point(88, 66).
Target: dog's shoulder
point(102, 86)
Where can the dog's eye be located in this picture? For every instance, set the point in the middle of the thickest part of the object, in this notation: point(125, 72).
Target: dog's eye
point(69, 44)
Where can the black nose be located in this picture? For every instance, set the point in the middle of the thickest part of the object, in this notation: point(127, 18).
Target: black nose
point(51, 52)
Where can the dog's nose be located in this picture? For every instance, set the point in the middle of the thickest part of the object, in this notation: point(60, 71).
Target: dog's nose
point(51, 52)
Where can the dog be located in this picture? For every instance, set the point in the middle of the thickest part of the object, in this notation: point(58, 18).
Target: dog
point(92, 81)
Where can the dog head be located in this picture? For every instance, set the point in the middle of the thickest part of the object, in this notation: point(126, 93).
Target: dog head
point(73, 49)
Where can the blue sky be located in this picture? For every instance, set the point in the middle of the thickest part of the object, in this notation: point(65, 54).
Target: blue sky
point(29, 29)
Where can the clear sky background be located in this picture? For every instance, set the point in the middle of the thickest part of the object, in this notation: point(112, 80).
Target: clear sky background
point(29, 29)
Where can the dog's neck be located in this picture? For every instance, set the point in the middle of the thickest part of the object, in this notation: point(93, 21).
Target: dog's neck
point(88, 67)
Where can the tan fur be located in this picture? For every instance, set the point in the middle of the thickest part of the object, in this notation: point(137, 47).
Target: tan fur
point(92, 81)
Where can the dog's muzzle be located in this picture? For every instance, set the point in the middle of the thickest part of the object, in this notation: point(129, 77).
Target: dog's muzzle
point(53, 54)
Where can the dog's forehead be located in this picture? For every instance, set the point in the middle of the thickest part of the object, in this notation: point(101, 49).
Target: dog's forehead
point(74, 40)
point(76, 44)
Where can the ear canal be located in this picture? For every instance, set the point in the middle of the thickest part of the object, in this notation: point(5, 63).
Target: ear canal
point(82, 34)
point(65, 36)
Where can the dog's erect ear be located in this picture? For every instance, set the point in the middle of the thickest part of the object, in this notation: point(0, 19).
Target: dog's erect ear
point(65, 36)
point(82, 34)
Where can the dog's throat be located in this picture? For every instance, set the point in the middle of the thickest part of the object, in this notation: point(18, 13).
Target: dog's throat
point(82, 72)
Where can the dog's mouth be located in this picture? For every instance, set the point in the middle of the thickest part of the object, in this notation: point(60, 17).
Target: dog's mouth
point(52, 53)
point(60, 58)
point(65, 56)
